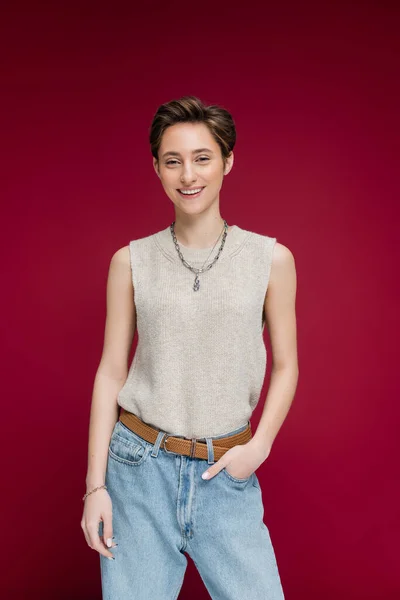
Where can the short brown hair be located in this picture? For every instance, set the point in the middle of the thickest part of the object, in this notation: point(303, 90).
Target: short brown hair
point(190, 109)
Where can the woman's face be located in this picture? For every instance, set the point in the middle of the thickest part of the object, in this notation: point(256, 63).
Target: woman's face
point(189, 157)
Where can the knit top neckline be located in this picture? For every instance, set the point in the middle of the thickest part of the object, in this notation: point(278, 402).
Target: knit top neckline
point(233, 242)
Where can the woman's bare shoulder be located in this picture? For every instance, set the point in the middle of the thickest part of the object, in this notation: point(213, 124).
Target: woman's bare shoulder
point(283, 264)
point(121, 256)
point(282, 255)
point(119, 271)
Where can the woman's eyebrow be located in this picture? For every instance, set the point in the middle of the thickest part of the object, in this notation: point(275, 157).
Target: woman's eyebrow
point(172, 153)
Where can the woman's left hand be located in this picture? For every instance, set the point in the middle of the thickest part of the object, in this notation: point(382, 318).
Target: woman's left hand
point(240, 461)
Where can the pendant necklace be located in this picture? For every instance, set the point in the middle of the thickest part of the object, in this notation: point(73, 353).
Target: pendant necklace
point(195, 270)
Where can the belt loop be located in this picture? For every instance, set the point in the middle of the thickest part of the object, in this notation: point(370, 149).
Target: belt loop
point(157, 443)
point(210, 451)
point(193, 448)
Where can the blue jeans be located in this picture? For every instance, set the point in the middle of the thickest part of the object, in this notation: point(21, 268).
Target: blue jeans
point(163, 508)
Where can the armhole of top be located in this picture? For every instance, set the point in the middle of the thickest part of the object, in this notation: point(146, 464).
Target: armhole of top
point(131, 262)
point(272, 243)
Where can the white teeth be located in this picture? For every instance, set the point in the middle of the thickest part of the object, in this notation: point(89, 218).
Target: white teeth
point(190, 192)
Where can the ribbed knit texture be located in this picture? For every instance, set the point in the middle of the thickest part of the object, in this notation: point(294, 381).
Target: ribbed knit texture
point(200, 361)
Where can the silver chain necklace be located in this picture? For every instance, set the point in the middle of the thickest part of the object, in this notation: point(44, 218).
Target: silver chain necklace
point(196, 270)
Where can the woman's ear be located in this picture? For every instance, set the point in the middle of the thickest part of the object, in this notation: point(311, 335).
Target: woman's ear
point(155, 165)
point(229, 163)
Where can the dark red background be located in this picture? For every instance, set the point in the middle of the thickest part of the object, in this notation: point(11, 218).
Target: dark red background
point(315, 95)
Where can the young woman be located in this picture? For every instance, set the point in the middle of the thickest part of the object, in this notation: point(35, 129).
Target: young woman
point(199, 293)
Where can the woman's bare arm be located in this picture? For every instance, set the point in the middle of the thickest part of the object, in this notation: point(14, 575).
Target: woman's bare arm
point(281, 322)
point(113, 368)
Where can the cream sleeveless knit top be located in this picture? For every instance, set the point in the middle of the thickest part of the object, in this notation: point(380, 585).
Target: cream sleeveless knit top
point(200, 360)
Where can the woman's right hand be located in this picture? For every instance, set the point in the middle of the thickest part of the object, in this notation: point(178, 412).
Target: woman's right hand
point(97, 508)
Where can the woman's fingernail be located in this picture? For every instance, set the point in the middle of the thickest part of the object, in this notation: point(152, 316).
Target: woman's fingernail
point(206, 475)
point(111, 557)
point(109, 542)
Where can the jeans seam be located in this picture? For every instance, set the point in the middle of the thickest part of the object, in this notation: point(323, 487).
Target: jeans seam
point(178, 589)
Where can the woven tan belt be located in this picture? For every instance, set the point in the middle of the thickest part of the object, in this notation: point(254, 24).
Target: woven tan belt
point(189, 447)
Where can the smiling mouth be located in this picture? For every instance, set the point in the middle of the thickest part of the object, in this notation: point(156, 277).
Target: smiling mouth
point(191, 194)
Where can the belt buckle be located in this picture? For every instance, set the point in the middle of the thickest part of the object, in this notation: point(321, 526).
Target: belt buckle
point(192, 445)
point(166, 436)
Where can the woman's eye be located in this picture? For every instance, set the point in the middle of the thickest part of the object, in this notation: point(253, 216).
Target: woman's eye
point(174, 162)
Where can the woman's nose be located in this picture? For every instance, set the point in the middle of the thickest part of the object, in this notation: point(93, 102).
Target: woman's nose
point(188, 175)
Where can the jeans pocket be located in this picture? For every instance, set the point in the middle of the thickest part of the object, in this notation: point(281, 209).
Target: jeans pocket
point(236, 479)
point(127, 447)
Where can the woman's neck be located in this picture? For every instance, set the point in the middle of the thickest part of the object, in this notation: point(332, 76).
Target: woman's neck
point(200, 235)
